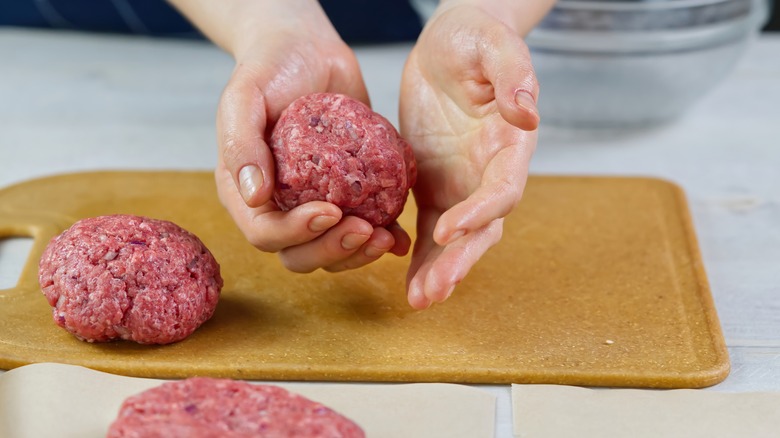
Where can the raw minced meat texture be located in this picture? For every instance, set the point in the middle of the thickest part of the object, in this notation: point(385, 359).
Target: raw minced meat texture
point(330, 147)
point(202, 407)
point(129, 277)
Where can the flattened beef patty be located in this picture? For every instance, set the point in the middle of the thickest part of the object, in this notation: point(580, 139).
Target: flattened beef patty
point(210, 408)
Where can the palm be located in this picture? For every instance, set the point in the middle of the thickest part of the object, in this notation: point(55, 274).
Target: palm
point(454, 142)
point(291, 68)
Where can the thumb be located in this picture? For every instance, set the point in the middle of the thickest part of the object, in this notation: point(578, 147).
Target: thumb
point(346, 78)
point(241, 125)
point(506, 63)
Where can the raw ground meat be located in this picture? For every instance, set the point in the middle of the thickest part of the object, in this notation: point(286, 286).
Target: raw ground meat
point(330, 147)
point(202, 407)
point(129, 277)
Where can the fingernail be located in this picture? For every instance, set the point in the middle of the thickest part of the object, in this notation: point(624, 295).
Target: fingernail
point(353, 240)
point(250, 179)
point(441, 299)
point(373, 251)
point(449, 292)
point(322, 223)
point(426, 305)
point(418, 300)
point(525, 100)
point(455, 236)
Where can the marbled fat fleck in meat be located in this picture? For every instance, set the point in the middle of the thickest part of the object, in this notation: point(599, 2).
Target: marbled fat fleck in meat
point(129, 277)
point(330, 147)
point(210, 408)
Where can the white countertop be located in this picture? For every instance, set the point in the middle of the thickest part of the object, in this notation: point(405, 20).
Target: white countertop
point(73, 102)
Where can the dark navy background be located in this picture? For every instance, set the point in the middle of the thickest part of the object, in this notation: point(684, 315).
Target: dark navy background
point(379, 20)
point(358, 21)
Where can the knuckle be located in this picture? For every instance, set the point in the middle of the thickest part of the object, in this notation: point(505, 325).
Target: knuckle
point(353, 264)
point(529, 81)
point(499, 233)
point(346, 265)
point(514, 192)
point(496, 231)
point(293, 265)
point(241, 102)
point(498, 35)
point(231, 149)
point(333, 269)
point(262, 242)
point(510, 192)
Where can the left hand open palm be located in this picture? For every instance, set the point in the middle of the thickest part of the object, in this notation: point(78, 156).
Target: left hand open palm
point(468, 109)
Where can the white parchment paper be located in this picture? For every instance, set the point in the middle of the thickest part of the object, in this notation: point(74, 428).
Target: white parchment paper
point(48, 400)
point(568, 411)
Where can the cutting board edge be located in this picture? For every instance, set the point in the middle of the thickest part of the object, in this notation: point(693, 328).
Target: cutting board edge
point(704, 290)
point(693, 379)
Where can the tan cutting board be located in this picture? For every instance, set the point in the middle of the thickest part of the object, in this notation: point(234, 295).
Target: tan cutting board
point(597, 281)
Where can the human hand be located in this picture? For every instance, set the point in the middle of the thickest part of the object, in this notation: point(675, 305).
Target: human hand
point(468, 107)
point(283, 50)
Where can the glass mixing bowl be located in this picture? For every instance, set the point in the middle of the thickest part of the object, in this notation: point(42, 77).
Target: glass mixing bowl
point(629, 63)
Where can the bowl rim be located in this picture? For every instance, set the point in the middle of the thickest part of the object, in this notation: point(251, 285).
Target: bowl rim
point(637, 6)
point(650, 41)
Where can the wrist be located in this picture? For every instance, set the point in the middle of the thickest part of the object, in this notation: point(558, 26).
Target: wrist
point(238, 25)
point(290, 20)
point(520, 16)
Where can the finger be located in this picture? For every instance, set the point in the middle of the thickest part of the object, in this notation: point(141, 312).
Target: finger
point(241, 124)
point(499, 192)
point(276, 230)
point(269, 229)
point(416, 290)
point(507, 65)
point(344, 80)
point(456, 260)
point(332, 247)
point(378, 244)
point(401, 238)
point(425, 250)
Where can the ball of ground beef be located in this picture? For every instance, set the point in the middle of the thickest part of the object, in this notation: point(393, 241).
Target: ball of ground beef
point(129, 277)
point(330, 147)
point(202, 407)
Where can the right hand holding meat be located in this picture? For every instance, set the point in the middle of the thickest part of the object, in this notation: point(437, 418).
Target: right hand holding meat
point(278, 60)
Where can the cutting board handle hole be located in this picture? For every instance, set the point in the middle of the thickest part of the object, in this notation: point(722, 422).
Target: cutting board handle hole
point(14, 251)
